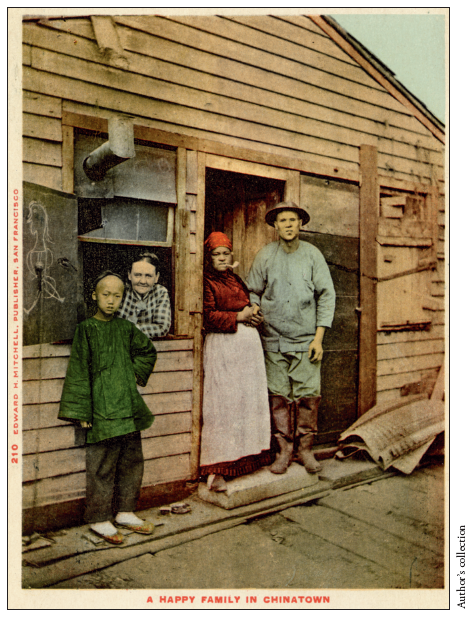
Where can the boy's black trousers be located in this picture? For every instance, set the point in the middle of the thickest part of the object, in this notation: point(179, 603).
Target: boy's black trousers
point(114, 464)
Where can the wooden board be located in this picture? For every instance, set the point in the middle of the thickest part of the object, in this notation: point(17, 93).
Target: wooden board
point(72, 486)
point(339, 393)
point(64, 437)
point(49, 177)
point(42, 105)
point(54, 368)
point(279, 83)
point(333, 206)
point(270, 36)
point(42, 127)
point(48, 350)
point(405, 365)
point(70, 461)
point(38, 416)
point(369, 207)
point(381, 547)
point(408, 349)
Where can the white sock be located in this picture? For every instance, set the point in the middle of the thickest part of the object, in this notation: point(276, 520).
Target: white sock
point(104, 528)
point(128, 518)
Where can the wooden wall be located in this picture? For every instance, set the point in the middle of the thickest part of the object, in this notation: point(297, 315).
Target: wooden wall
point(275, 87)
point(272, 84)
point(54, 461)
point(409, 360)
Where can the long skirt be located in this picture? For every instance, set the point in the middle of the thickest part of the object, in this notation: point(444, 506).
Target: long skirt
point(236, 431)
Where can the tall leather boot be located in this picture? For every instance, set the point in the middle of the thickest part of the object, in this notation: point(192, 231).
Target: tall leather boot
point(306, 428)
point(283, 429)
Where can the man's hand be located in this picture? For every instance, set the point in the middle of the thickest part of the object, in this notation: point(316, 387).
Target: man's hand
point(316, 351)
point(85, 424)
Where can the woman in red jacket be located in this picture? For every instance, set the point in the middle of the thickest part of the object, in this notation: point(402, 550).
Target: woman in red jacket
point(236, 429)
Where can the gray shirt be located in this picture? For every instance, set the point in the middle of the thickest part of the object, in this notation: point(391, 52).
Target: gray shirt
point(295, 292)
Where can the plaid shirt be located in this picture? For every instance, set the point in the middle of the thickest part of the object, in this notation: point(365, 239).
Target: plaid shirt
point(150, 313)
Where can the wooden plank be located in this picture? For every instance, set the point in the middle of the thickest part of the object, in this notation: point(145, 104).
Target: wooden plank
point(414, 348)
point(68, 159)
point(45, 415)
point(81, 26)
point(282, 28)
point(292, 188)
point(168, 445)
point(55, 368)
point(278, 157)
point(42, 152)
point(42, 127)
point(244, 167)
point(72, 460)
point(168, 382)
point(48, 439)
point(41, 105)
point(49, 350)
point(369, 206)
point(49, 391)
point(26, 58)
point(340, 214)
point(168, 469)
point(175, 101)
point(53, 490)
point(211, 58)
point(270, 36)
point(167, 116)
point(414, 363)
point(64, 437)
point(390, 338)
point(72, 486)
point(43, 175)
point(387, 396)
point(197, 385)
point(380, 514)
point(174, 29)
point(181, 250)
point(370, 68)
point(142, 64)
point(169, 424)
point(381, 547)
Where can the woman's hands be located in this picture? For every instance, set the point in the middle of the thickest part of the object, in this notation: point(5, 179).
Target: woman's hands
point(251, 315)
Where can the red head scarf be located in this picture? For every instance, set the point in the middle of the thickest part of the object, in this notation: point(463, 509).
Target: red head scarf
point(216, 239)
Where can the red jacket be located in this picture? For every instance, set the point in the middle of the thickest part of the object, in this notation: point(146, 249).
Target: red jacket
point(225, 294)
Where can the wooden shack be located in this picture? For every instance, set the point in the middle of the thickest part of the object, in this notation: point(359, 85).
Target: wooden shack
point(230, 115)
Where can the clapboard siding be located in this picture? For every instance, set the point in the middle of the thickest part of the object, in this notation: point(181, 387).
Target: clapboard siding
point(200, 98)
point(62, 462)
point(42, 105)
point(53, 464)
point(44, 415)
point(298, 119)
point(51, 368)
point(42, 152)
point(72, 486)
point(64, 437)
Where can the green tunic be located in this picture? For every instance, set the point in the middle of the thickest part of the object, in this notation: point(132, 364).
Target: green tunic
point(108, 359)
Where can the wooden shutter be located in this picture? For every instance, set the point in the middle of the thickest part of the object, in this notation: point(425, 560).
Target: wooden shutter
point(51, 271)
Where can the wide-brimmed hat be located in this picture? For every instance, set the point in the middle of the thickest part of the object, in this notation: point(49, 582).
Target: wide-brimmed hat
point(272, 213)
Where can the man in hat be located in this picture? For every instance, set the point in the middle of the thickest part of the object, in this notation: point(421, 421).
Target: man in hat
point(146, 303)
point(291, 282)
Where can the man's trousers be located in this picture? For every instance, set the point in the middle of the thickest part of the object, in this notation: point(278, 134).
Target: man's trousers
point(113, 464)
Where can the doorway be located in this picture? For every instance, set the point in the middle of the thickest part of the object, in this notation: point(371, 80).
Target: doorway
point(236, 204)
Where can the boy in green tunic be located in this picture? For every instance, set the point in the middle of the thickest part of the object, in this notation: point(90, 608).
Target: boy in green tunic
point(109, 357)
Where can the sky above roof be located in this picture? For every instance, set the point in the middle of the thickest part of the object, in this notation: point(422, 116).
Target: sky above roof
point(412, 46)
